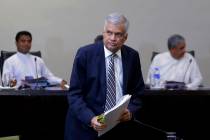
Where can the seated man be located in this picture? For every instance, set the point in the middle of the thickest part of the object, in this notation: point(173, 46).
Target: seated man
point(23, 64)
point(176, 64)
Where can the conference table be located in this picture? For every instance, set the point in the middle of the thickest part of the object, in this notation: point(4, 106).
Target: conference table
point(185, 112)
point(40, 114)
point(33, 114)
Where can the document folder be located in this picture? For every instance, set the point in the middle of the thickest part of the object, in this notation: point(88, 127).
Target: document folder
point(111, 116)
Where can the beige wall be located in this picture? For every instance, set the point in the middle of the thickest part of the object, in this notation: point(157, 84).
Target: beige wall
point(60, 27)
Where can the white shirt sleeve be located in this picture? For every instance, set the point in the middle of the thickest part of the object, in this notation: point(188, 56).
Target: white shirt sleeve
point(45, 72)
point(195, 76)
point(6, 73)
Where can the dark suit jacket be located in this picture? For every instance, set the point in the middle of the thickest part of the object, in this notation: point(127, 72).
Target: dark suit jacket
point(88, 88)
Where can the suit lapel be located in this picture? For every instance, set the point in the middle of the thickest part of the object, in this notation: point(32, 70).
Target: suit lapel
point(125, 64)
point(102, 67)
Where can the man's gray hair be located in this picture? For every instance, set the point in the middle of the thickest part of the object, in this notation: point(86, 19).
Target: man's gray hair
point(174, 40)
point(116, 19)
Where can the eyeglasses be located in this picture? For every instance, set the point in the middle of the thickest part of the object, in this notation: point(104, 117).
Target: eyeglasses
point(117, 34)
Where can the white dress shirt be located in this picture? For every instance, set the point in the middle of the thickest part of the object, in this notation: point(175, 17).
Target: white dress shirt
point(118, 71)
point(183, 70)
point(20, 65)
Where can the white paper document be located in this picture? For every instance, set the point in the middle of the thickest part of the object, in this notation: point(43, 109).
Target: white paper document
point(7, 88)
point(111, 116)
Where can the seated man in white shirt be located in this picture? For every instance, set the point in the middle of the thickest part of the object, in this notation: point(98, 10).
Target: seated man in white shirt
point(23, 64)
point(176, 64)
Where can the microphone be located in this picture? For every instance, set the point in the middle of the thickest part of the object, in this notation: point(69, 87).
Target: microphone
point(168, 134)
point(149, 126)
point(36, 67)
point(190, 61)
point(36, 85)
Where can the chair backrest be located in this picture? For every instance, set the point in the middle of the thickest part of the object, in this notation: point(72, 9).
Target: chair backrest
point(154, 53)
point(98, 38)
point(7, 54)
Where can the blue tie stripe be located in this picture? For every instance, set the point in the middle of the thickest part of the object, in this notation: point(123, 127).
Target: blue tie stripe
point(111, 85)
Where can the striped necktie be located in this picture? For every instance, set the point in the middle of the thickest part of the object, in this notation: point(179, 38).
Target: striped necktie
point(111, 84)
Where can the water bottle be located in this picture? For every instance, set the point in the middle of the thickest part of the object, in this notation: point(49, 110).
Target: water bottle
point(155, 78)
point(171, 136)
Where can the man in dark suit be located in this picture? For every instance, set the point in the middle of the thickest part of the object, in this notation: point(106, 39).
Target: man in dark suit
point(89, 83)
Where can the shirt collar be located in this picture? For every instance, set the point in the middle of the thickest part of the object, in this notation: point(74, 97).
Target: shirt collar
point(22, 54)
point(108, 52)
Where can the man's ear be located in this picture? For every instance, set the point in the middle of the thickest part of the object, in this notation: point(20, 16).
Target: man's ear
point(126, 36)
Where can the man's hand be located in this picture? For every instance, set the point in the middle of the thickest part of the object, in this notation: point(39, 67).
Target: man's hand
point(126, 116)
point(63, 83)
point(12, 83)
point(97, 125)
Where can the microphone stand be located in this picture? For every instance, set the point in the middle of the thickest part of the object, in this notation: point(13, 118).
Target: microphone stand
point(159, 130)
point(187, 69)
point(36, 85)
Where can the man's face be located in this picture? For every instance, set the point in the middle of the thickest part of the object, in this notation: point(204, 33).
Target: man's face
point(178, 51)
point(24, 44)
point(114, 36)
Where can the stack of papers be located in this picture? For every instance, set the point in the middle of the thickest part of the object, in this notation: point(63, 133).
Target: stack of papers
point(6, 88)
point(35, 83)
point(111, 116)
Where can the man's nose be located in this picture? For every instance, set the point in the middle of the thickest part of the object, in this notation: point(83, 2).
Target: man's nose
point(113, 36)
